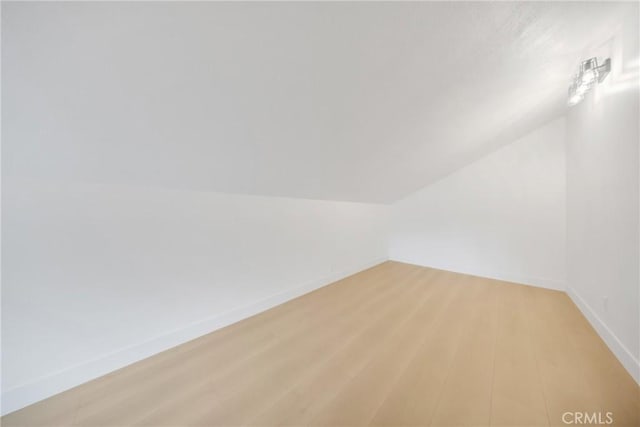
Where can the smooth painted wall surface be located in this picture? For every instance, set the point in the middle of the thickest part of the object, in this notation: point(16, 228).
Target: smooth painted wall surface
point(603, 197)
point(501, 217)
point(97, 276)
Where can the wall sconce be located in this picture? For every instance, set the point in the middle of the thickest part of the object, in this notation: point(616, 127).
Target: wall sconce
point(589, 73)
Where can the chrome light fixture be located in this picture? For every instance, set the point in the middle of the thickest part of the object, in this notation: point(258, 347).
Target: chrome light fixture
point(590, 73)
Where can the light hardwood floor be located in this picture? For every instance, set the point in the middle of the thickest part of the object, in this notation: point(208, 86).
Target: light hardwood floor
point(393, 345)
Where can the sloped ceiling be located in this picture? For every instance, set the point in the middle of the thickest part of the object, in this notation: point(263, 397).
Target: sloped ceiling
point(341, 101)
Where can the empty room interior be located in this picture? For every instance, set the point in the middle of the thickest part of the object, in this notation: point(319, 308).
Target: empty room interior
point(320, 213)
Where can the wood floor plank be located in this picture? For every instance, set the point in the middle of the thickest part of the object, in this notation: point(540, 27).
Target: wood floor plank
point(364, 322)
point(413, 397)
point(517, 395)
point(610, 387)
point(564, 384)
point(364, 392)
point(239, 387)
point(395, 345)
point(302, 403)
point(466, 395)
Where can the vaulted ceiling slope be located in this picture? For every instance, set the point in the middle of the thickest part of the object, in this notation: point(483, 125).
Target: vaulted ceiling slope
point(342, 101)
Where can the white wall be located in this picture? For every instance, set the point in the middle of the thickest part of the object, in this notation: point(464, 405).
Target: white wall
point(501, 217)
point(603, 197)
point(97, 276)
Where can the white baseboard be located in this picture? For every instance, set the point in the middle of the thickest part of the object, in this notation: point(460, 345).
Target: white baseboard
point(540, 282)
point(630, 363)
point(57, 382)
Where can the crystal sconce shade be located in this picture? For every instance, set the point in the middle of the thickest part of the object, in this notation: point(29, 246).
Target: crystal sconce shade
point(590, 73)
